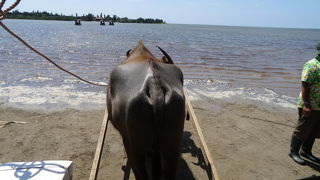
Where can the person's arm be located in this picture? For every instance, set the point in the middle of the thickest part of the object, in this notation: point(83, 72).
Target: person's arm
point(305, 89)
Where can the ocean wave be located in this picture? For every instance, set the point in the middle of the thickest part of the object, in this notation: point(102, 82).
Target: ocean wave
point(211, 89)
point(36, 79)
point(78, 81)
point(70, 95)
point(51, 98)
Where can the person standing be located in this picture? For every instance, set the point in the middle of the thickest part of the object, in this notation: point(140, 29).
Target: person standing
point(308, 127)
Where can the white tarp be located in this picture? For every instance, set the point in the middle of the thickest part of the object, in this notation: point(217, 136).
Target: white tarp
point(37, 170)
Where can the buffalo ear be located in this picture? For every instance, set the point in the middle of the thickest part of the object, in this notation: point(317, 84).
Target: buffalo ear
point(128, 53)
point(164, 59)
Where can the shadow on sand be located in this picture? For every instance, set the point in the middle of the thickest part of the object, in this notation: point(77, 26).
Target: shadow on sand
point(184, 172)
point(189, 146)
point(314, 177)
point(314, 166)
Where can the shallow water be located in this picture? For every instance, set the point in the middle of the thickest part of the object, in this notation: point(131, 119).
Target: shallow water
point(217, 61)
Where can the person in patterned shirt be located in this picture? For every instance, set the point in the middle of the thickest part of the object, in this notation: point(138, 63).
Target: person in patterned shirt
point(308, 127)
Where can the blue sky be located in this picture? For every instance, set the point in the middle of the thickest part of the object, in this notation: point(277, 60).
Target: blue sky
point(265, 13)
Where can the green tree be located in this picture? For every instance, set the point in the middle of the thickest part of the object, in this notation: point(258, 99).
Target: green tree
point(90, 17)
point(108, 17)
point(114, 18)
point(140, 20)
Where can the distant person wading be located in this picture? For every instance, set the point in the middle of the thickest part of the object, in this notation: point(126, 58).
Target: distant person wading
point(308, 127)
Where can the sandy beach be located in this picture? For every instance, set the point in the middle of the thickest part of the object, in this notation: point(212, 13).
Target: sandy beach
point(251, 142)
point(63, 135)
point(246, 141)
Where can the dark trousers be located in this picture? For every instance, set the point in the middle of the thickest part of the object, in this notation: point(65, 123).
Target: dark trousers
point(307, 127)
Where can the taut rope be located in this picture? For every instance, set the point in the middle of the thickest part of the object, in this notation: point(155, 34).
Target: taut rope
point(4, 16)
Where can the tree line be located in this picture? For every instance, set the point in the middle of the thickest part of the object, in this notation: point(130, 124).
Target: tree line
point(85, 17)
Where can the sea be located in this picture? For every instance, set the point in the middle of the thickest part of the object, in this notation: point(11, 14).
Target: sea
point(231, 63)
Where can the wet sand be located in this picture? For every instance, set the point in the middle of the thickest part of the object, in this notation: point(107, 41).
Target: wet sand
point(247, 141)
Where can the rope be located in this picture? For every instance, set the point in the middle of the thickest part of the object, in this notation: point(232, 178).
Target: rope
point(12, 6)
point(1, 4)
point(3, 13)
point(3, 16)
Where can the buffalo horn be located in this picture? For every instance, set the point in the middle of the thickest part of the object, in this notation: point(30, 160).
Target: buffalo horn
point(128, 52)
point(166, 55)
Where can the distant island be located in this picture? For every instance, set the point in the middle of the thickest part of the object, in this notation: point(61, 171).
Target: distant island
point(37, 15)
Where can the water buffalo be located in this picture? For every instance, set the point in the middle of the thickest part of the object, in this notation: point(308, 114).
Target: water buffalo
point(146, 104)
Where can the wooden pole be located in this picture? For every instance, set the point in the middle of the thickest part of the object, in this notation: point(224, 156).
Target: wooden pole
point(97, 156)
point(204, 146)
